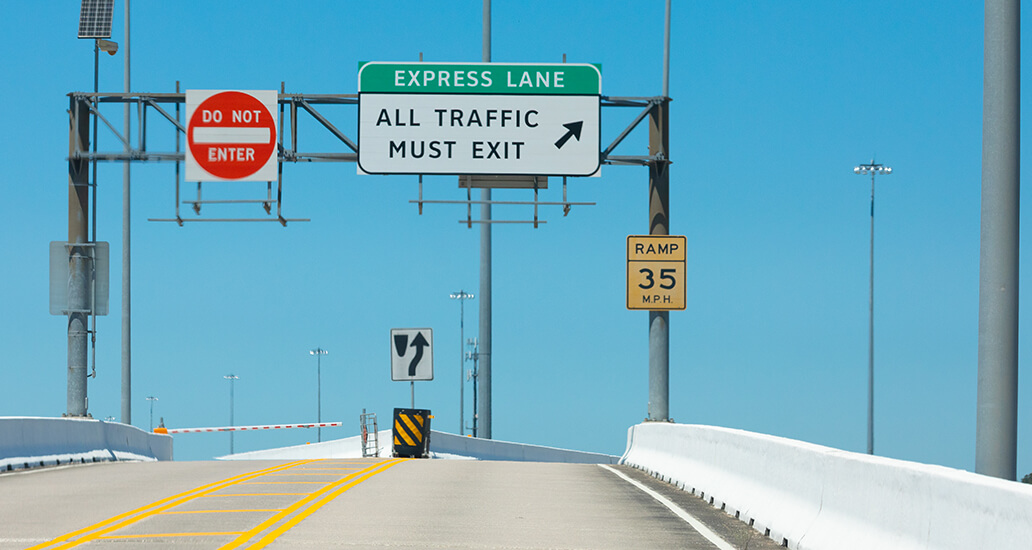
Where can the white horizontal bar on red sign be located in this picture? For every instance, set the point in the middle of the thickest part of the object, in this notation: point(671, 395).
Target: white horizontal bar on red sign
point(241, 428)
point(235, 135)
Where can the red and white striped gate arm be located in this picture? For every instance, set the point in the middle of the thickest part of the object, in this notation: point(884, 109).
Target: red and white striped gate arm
point(242, 428)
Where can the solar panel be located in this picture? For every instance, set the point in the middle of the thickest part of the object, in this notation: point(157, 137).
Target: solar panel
point(95, 18)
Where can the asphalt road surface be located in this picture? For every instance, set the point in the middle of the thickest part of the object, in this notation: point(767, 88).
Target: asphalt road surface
point(357, 503)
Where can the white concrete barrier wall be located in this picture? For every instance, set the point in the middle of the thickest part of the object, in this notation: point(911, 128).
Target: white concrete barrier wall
point(821, 498)
point(31, 442)
point(348, 447)
point(442, 445)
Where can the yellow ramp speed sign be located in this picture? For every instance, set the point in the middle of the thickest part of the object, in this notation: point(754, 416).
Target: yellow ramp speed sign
point(656, 269)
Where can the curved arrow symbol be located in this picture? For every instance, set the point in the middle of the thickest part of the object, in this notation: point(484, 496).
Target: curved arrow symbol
point(573, 129)
point(419, 343)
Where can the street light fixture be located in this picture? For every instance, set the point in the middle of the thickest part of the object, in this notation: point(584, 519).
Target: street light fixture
point(152, 399)
point(874, 170)
point(231, 377)
point(318, 353)
point(462, 296)
point(94, 23)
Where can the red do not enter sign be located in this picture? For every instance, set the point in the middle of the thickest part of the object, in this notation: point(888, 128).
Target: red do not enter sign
point(231, 135)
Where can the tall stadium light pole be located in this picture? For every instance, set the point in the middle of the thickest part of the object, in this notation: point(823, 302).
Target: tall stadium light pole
point(462, 296)
point(231, 377)
point(152, 399)
point(127, 385)
point(996, 425)
point(874, 170)
point(318, 353)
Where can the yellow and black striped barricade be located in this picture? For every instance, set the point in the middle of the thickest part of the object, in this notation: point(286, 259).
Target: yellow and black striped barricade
point(412, 433)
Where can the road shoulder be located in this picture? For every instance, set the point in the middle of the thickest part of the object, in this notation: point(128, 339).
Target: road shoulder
point(735, 532)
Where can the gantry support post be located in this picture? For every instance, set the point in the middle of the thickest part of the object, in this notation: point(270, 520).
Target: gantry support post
point(79, 255)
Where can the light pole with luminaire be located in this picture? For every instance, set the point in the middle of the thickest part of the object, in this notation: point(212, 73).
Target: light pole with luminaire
point(231, 377)
point(318, 353)
point(874, 170)
point(152, 399)
point(462, 296)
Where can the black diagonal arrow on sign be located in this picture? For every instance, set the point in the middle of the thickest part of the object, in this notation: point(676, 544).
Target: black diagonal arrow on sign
point(419, 343)
point(573, 129)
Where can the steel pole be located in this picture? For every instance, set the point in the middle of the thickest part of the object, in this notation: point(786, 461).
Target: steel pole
point(659, 224)
point(78, 228)
point(318, 395)
point(93, 165)
point(462, 366)
point(231, 424)
point(485, 269)
point(127, 385)
point(318, 353)
point(997, 408)
point(476, 375)
point(666, 52)
point(870, 336)
point(93, 217)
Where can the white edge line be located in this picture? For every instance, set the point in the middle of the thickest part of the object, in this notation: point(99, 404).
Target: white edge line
point(678, 511)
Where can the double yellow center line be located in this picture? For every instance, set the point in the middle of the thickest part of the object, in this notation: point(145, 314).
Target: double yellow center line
point(270, 529)
point(262, 534)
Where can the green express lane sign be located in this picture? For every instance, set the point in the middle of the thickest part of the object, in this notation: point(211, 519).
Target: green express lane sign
point(479, 118)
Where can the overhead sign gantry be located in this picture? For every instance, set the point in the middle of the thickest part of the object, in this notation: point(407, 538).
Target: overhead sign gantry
point(479, 118)
point(242, 149)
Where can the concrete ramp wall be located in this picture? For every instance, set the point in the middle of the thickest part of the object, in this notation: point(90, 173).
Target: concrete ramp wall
point(814, 497)
point(442, 445)
point(489, 449)
point(32, 442)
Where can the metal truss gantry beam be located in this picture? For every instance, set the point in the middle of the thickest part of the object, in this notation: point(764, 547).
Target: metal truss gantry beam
point(147, 103)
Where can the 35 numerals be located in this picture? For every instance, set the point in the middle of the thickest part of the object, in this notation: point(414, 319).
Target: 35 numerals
point(664, 276)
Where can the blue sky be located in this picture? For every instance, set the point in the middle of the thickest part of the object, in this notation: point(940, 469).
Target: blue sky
point(774, 103)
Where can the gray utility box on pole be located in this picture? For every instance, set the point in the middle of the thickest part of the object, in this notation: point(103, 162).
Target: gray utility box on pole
point(97, 272)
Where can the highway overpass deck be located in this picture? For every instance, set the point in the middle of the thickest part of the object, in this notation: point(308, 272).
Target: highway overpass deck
point(353, 503)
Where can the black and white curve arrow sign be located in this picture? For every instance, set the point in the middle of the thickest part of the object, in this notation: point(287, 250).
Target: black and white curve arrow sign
point(573, 129)
point(412, 354)
point(419, 343)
